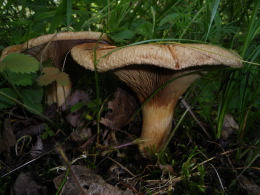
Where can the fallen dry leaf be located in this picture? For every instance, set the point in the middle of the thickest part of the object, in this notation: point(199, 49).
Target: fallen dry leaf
point(76, 97)
point(8, 140)
point(122, 108)
point(229, 125)
point(249, 185)
point(89, 181)
point(25, 185)
point(81, 134)
point(75, 118)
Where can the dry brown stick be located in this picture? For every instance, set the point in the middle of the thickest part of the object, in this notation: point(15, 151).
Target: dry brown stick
point(123, 167)
point(212, 158)
point(67, 163)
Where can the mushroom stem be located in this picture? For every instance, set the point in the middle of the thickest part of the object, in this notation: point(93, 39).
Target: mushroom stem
point(158, 112)
point(157, 123)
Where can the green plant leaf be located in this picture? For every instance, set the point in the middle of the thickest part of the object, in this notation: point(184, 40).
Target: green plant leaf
point(2, 66)
point(5, 102)
point(32, 97)
point(77, 106)
point(168, 18)
point(20, 63)
point(145, 29)
point(20, 79)
point(68, 12)
point(213, 14)
point(122, 35)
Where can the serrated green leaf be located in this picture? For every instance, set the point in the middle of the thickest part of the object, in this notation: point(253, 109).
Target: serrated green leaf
point(63, 79)
point(20, 79)
point(20, 63)
point(32, 97)
point(5, 102)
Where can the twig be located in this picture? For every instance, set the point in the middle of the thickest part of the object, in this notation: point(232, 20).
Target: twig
point(220, 181)
point(25, 164)
point(123, 167)
point(129, 187)
point(212, 158)
point(67, 163)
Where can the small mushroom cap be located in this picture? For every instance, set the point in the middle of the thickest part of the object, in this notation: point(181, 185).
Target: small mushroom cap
point(65, 36)
point(172, 56)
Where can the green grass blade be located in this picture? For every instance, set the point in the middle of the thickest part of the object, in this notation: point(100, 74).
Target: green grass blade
point(68, 12)
point(213, 14)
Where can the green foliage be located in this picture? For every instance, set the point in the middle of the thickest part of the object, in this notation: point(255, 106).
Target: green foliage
point(231, 24)
point(47, 133)
point(20, 79)
point(191, 184)
point(5, 102)
point(19, 70)
point(19, 63)
point(92, 108)
point(32, 97)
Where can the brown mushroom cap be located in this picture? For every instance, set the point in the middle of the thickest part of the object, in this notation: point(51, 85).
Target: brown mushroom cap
point(147, 67)
point(172, 56)
point(79, 37)
point(55, 47)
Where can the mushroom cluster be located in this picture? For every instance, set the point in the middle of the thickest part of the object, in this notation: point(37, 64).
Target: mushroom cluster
point(145, 68)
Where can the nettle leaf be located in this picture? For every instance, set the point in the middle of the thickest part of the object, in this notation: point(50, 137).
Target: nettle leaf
point(20, 63)
point(20, 79)
point(32, 97)
point(52, 74)
point(4, 101)
point(63, 79)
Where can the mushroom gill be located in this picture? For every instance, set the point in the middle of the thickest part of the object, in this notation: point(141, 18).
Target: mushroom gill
point(145, 68)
